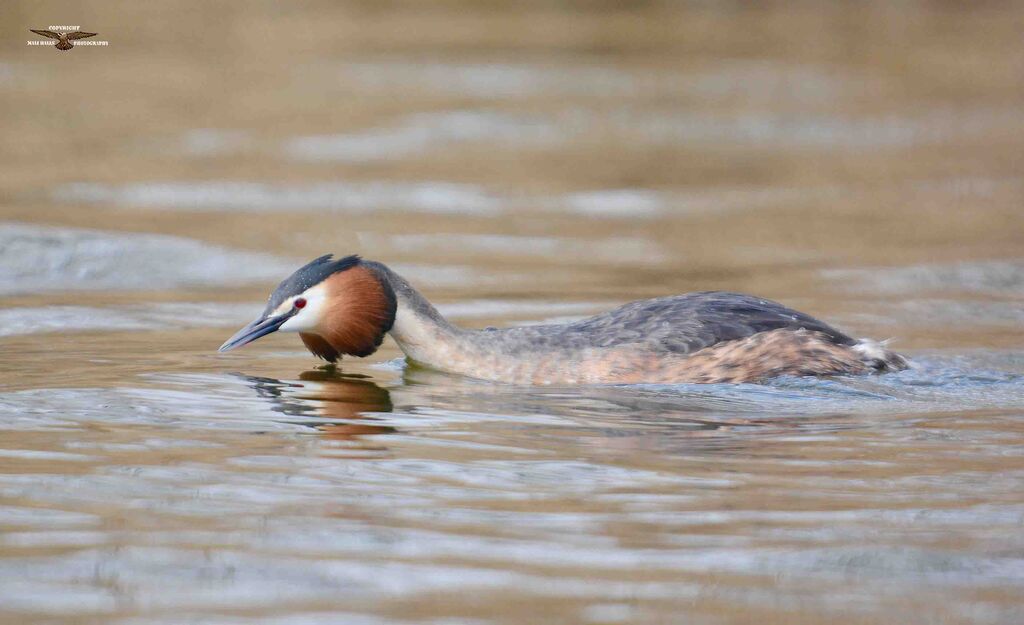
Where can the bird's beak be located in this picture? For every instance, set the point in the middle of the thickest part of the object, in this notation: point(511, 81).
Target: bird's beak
point(260, 327)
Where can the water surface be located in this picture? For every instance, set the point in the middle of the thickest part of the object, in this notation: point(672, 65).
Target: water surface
point(519, 165)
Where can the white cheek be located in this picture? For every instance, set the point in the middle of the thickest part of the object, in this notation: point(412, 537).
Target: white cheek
point(308, 318)
point(301, 322)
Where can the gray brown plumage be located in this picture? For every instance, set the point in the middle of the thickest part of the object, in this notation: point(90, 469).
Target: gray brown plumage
point(64, 39)
point(710, 336)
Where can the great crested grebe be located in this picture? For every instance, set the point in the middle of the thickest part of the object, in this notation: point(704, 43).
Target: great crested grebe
point(346, 306)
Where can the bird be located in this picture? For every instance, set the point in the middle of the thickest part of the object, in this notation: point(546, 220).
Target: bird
point(64, 39)
point(346, 305)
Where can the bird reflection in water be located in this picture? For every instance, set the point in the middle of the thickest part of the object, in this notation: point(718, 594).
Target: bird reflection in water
point(344, 399)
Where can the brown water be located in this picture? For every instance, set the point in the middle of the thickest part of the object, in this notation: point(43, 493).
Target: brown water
point(861, 162)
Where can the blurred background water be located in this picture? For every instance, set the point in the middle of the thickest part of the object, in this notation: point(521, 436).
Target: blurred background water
point(519, 162)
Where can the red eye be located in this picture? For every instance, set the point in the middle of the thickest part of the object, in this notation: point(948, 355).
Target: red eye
point(300, 302)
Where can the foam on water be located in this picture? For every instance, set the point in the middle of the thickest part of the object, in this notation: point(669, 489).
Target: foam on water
point(417, 197)
point(35, 258)
point(425, 197)
point(470, 309)
point(214, 141)
point(68, 407)
point(937, 312)
point(421, 132)
point(612, 203)
point(807, 131)
point(42, 319)
point(801, 83)
point(995, 277)
point(610, 249)
point(496, 80)
point(344, 197)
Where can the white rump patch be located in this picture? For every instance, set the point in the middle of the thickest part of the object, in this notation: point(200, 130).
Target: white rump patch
point(871, 350)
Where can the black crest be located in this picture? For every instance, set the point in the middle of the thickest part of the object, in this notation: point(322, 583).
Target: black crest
point(310, 274)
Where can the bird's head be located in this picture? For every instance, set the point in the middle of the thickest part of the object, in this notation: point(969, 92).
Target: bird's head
point(338, 306)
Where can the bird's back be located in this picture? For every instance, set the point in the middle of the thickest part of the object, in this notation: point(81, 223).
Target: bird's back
point(679, 324)
point(709, 336)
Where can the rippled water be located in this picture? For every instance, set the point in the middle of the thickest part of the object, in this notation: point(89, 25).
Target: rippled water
point(520, 166)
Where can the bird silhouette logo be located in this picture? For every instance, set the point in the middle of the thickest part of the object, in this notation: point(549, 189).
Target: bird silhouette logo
point(64, 39)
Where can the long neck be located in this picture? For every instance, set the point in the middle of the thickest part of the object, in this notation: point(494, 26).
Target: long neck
point(420, 330)
point(522, 354)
